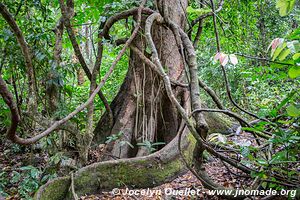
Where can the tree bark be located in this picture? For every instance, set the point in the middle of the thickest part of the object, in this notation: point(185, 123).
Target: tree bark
point(141, 109)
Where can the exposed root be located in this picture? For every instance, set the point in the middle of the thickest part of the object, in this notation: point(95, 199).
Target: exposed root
point(143, 172)
point(75, 196)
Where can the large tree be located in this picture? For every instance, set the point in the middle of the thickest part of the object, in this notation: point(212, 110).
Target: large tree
point(158, 104)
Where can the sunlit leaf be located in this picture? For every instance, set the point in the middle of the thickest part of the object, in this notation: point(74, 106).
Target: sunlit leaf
point(262, 161)
point(198, 12)
point(218, 138)
point(278, 51)
point(293, 111)
point(295, 35)
point(285, 6)
point(296, 56)
point(292, 45)
point(294, 72)
point(233, 59)
point(278, 157)
point(284, 54)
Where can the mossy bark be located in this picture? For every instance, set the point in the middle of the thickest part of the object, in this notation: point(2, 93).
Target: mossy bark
point(219, 124)
point(55, 189)
point(142, 172)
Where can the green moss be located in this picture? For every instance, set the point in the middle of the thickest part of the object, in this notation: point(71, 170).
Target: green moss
point(217, 123)
point(133, 173)
point(57, 189)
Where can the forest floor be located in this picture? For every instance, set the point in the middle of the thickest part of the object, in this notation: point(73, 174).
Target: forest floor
point(183, 183)
point(11, 160)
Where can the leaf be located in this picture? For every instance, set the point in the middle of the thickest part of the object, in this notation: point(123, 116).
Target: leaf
point(233, 59)
point(278, 50)
point(274, 44)
point(264, 185)
point(219, 138)
point(158, 143)
point(16, 176)
point(285, 6)
point(245, 151)
point(217, 56)
point(224, 59)
point(34, 173)
point(262, 161)
point(29, 167)
point(280, 156)
point(284, 102)
point(292, 45)
point(294, 72)
point(198, 12)
point(295, 35)
point(296, 56)
point(284, 54)
point(293, 111)
point(122, 143)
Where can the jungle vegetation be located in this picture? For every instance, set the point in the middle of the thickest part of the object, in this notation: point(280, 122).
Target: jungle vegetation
point(134, 92)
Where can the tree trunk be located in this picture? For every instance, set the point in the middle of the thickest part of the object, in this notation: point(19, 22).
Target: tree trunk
point(142, 110)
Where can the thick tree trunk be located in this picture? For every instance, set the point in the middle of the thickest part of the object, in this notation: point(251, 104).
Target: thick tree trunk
point(142, 110)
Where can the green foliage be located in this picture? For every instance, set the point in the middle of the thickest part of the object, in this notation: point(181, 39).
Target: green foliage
point(293, 111)
point(287, 52)
point(113, 137)
point(26, 180)
point(3, 182)
point(285, 6)
point(151, 146)
point(270, 89)
point(194, 13)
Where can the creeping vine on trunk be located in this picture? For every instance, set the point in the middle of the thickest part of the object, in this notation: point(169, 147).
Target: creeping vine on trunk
point(169, 111)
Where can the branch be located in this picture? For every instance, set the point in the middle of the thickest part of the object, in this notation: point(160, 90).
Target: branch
point(190, 61)
point(58, 30)
point(7, 96)
point(201, 125)
point(198, 34)
point(123, 15)
point(228, 160)
point(239, 119)
point(194, 22)
point(66, 18)
point(8, 99)
point(44, 122)
point(262, 59)
point(73, 188)
point(206, 182)
point(178, 40)
point(26, 53)
point(212, 94)
point(224, 71)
